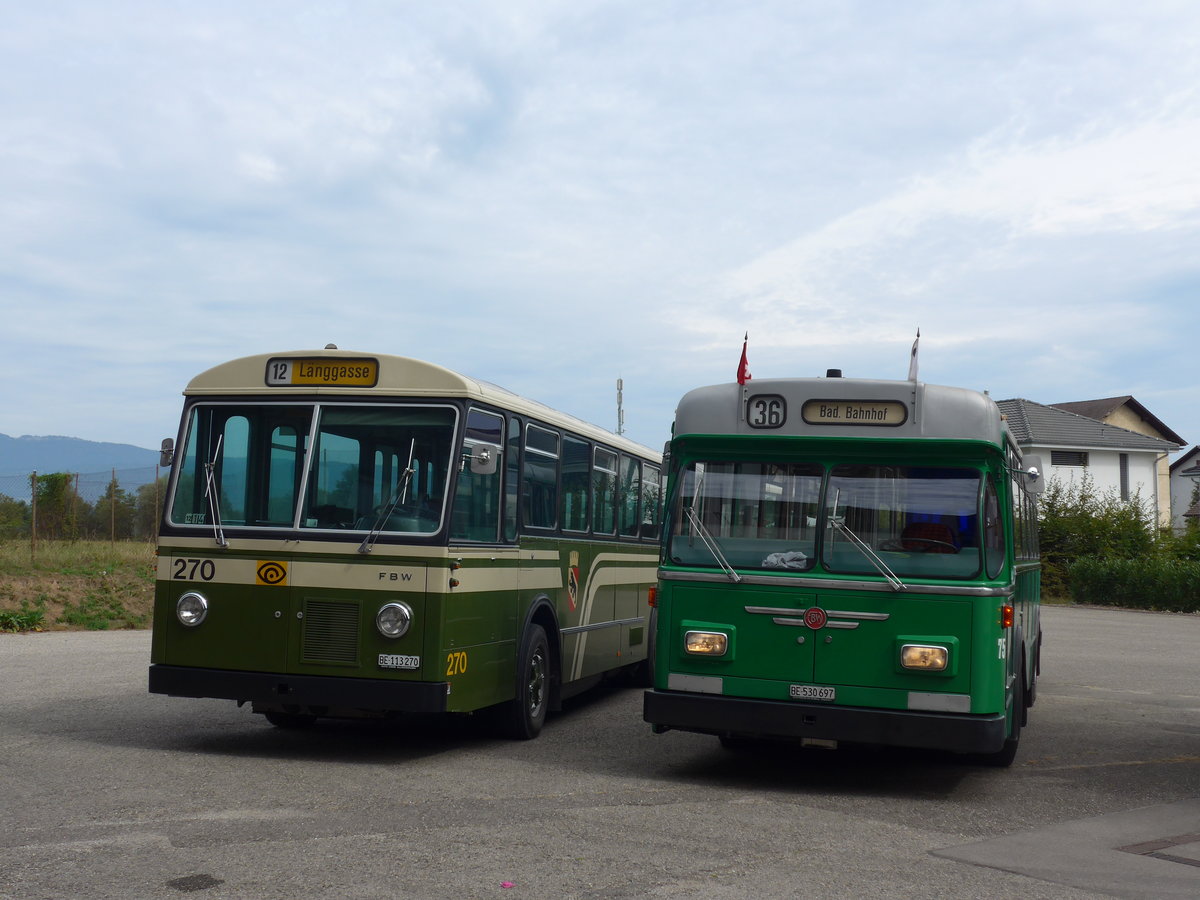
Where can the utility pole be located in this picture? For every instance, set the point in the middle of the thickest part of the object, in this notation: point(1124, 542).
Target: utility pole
point(620, 411)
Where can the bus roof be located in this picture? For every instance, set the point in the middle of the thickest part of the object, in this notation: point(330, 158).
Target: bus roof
point(365, 375)
point(841, 407)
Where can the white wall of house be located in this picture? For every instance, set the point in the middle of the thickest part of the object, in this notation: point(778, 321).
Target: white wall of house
point(1181, 491)
point(1104, 469)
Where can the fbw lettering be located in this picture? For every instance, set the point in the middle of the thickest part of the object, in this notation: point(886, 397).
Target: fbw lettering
point(395, 576)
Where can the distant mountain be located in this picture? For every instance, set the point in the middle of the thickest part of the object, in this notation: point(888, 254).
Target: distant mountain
point(25, 454)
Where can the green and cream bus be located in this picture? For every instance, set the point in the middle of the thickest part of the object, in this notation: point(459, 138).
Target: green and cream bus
point(352, 535)
point(847, 560)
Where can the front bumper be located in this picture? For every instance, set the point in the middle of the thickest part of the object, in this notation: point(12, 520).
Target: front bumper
point(715, 714)
point(299, 690)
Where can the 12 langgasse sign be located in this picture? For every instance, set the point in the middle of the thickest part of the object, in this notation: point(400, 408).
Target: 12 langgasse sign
point(322, 372)
point(854, 412)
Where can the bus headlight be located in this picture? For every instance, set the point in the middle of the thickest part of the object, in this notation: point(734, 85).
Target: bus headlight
point(925, 657)
point(393, 619)
point(191, 609)
point(706, 643)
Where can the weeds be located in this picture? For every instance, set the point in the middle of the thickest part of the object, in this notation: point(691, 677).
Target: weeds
point(93, 585)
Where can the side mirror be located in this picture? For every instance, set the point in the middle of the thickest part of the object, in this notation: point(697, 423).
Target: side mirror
point(1035, 481)
point(483, 459)
point(166, 453)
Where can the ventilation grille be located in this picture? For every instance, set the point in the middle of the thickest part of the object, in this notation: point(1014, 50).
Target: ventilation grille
point(330, 632)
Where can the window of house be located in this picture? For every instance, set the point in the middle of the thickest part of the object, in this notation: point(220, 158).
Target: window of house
point(1068, 458)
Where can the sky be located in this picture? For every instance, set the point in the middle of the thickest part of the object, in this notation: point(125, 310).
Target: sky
point(554, 195)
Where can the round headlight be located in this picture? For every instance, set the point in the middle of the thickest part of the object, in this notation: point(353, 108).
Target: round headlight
point(191, 609)
point(393, 619)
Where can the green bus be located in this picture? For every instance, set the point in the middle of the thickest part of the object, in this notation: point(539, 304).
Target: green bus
point(847, 560)
point(362, 535)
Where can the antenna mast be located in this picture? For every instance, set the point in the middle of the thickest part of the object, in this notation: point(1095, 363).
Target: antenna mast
point(620, 411)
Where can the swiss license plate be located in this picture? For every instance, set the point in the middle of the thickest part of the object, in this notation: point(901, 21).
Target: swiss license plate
point(396, 661)
point(813, 692)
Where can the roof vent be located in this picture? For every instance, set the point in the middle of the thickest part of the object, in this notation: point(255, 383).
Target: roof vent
point(833, 373)
point(331, 346)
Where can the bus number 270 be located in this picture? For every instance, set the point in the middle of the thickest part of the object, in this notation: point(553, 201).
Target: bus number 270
point(194, 570)
point(456, 663)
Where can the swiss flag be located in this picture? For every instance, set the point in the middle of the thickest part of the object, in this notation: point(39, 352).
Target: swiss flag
point(743, 366)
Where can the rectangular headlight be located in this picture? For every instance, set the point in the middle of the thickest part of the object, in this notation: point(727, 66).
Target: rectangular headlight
point(925, 657)
point(706, 643)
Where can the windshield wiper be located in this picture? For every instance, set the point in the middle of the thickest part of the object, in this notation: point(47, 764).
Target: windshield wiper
point(711, 544)
point(838, 523)
point(399, 495)
point(210, 493)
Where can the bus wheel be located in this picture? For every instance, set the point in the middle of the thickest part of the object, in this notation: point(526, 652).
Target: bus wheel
point(289, 720)
point(526, 712)
point(1003, 758)
point(642, 674)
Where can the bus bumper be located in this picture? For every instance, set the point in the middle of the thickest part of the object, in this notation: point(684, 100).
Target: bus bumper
point(299, 690)
point(714, 714)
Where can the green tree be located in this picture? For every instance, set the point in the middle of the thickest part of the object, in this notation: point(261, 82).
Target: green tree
point(14, 517)
point(60, 509)
point(150, 500)
point(114, 514)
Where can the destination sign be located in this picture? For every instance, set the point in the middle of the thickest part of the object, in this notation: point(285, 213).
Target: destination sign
point(855, 412)
point(322, 372)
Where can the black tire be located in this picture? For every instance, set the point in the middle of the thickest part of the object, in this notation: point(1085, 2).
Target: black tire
point(525, 714)
point(643, 672)
point(1003, 758)
point(290, 720)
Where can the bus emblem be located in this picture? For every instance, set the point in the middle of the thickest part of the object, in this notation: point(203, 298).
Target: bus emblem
point(815, 618)
point(573, 587)
point(271, 573)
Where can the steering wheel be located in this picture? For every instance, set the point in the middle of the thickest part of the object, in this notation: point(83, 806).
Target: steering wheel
point(928, 545)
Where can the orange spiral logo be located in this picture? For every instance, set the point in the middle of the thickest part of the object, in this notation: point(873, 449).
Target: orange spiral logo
point(272, 573)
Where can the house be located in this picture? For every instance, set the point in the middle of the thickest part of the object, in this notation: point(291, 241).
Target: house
point(1118, 459)
point(1126, 412)
point(1185, 485)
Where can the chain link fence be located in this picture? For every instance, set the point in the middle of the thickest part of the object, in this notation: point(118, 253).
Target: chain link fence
point(117, 504)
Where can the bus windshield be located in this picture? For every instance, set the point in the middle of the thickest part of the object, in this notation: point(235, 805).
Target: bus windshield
point(921, 520)
point(754, 515)
point(916, 520)
point(245, 465)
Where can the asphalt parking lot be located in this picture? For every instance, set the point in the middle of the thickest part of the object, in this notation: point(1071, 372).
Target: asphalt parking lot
point(112, 792)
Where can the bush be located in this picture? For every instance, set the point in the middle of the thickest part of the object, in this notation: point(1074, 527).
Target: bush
point(1075, 522)
point(1172, 585)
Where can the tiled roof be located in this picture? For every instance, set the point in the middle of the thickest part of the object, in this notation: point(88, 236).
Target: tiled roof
point(1188, 464)
point(1101, 409)
point(1036, 423)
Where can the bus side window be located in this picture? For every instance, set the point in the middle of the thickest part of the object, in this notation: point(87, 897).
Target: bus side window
point(993, 531)
point(631, 478)
point(512, 478)
point(476, 514)
point(539, 482)
point(604, 491)
point(651, 500)
point(576, 471)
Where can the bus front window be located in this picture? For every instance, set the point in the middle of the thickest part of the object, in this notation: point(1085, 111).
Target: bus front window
point(758, 515)
point(379, 468)
point(921, 520)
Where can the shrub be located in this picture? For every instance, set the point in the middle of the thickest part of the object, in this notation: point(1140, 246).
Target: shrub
point(1151, 583)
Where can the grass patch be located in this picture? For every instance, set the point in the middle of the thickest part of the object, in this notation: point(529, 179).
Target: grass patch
point(76, 585)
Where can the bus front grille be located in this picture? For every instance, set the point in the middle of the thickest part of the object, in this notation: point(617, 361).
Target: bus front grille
point(330, 632)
